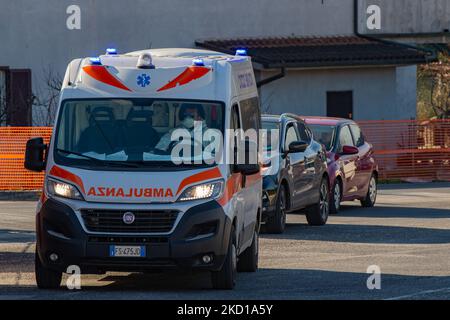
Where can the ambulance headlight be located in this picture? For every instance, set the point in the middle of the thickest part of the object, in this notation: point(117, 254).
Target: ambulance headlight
point(62, 189)
point(203, 191)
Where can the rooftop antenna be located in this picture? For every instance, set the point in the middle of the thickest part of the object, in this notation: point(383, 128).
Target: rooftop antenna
point(69, 83)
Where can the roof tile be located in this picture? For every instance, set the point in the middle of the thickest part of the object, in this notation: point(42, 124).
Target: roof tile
point(319, 51)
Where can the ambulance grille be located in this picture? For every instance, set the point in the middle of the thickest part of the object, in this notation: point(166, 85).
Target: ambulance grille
point(111, 221)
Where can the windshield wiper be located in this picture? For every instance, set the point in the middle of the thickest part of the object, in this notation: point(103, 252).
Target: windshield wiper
point(99, 161)
point(154, 164)
point(166, 164)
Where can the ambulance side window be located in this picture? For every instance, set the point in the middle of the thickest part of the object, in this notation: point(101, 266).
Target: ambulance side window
point(235, 121)
point(251, 118)
point(235, 125)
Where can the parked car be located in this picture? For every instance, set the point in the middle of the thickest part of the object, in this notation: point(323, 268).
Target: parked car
point(298, 176)
point(352, 169)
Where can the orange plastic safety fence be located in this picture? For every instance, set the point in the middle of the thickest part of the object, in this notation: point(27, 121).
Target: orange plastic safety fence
point(13, 176)
point(405, 150)
point(410, 149)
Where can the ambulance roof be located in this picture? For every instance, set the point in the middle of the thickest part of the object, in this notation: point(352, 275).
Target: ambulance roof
point(172, 72)
point(165, 58)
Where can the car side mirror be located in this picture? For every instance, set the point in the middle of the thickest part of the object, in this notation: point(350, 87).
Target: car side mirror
point(349, 150)
point(247, 159)
point(34, 155)
point(297, 146)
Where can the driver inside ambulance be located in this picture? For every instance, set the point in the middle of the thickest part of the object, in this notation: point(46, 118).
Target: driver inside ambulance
point(189, 116)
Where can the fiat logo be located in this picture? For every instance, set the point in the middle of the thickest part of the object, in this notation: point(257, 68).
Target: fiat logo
point(128, 218)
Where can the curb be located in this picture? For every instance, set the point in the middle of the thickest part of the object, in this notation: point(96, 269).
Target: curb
point(19, 195)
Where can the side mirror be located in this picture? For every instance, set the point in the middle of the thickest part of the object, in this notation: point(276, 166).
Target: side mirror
point(248, 169)
point(34, 155)
point(266, 163)
point(297, 146)
point(349, 150)
point(247, 159)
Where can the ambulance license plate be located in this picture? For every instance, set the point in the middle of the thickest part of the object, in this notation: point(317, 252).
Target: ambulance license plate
point(127, 251)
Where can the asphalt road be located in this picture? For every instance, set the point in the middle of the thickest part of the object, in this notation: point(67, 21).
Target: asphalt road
point(407, 235)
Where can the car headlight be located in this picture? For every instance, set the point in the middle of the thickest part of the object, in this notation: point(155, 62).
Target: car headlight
point(202, 191)
point(62, 189)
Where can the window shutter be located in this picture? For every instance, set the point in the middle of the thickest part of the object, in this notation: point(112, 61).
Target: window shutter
point(20, 98)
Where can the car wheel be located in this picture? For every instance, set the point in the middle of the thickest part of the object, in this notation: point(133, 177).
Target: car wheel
point(335, 197)
point(371, 196)
point(46, 278)
point(225, 278)
point(277, 223)
point(317, 215)
point(248, 260)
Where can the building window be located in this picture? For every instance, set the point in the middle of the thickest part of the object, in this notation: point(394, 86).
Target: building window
point(340, 104)
point(3, 96)
point(15, 97)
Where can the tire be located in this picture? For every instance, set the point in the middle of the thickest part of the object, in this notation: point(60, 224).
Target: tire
point(371, 196)
point(248, 260)
point(317, 215)
point(225, 278)
point(277, 223)
point(46, 278)
point(335, 197)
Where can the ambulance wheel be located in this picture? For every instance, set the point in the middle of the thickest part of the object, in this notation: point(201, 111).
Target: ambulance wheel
point(46, 278)
point(248, 260)
point(225, 278)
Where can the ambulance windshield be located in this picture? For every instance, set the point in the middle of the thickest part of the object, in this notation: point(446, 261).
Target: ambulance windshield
point(138, 132)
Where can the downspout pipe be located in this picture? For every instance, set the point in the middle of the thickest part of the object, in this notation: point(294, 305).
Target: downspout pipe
point(273, 78)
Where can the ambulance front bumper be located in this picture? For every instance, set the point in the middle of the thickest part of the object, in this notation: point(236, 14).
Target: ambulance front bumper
point(202, 230)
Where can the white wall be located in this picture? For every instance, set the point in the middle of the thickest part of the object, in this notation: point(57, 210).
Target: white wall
point(33, 34)
point(378, 93)
point(408, 16)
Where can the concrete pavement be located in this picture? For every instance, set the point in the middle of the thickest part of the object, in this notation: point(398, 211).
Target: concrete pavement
point(407, 235)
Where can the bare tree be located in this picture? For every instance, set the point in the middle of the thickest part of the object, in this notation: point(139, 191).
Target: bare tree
point(437, 77)
point(3, 101)
point(45, 100)
point(3, 105)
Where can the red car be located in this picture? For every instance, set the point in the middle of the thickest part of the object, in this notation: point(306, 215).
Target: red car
point(352, 168)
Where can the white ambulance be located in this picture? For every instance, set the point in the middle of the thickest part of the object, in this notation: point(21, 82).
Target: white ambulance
point(116, 199)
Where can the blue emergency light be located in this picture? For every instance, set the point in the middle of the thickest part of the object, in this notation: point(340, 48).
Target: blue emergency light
point(241, 52)
point(96, 61)
point(198, 62)
point(111, 51)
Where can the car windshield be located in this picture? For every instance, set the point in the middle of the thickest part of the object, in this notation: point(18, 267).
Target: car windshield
point(324, 134)
point(268, 140)
point(139, 132)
